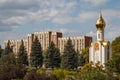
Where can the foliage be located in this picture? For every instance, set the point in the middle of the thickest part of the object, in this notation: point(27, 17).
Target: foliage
point(17, 72)
point(36, 58)
point(36, 76)
point(8, 66)
point(4, 76)
point(41, 71)
point(85, 55)
point(4, 68)
point(1, 51)
point(64, 74)
point(8, 49)
point(52, 56)
point(8, 60)
point(90, 72)
point(114, 64)
point(31, 76)
point(118, 77)
point(22, 55)
point(116, 46)
point(12, 72)
point(69, 57)
point(61, 74)
point(81, 60)
point(31, 69)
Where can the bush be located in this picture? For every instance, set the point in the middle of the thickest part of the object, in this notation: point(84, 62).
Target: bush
point(35, 76)
point(41, 71)
point(13, 72)
point(31, 69)
point(17, 72)
point(31, 76)
point(46, 77)
point(4, 68)
point(63, 74)
point(4, 76)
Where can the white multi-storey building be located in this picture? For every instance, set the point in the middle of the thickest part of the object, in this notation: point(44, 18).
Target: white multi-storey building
point(79, 42)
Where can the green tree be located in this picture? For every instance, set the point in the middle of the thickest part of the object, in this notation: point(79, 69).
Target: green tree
point(36, 57)
point(9, 67)
point(8, 49)
point(22, 55)
point(114, 63)
point(88, 72)
point(52, 57)
point(115, 55)
point(9, 59)
point(1, 51)
point(6, 61)
point(85, 55)
point(69, 57)
point(116, 47)
point(81, 60)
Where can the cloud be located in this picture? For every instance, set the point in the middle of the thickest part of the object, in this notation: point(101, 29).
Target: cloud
point(112, 32)
point(92, 3)
point(62, 20)
point(111, 15)
point(112, 26)
point(64, 15)
point(108, 14)
point(14, 13)
point(86, 15)
point(91, 33)
point(112, 18)
point(19, 12)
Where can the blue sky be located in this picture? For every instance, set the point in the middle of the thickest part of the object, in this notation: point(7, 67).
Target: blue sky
point(72, 17)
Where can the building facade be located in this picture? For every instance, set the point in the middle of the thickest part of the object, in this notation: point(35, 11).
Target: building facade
point(79, 42)
point(44, 38)
point(100, 50)
point(30, 39)
point(15, 45)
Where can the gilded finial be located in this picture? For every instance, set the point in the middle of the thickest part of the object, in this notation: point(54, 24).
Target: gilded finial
point(100, 24)
point(100, 14)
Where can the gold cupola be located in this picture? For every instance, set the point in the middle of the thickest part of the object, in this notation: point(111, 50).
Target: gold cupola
point(100, 24)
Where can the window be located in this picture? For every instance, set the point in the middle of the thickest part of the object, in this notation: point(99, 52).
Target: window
point(98, 36)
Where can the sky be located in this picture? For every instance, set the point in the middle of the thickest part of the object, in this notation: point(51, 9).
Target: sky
point(71, 17)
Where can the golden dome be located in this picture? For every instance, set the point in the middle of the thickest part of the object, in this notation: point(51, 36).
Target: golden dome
point(100, 24)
